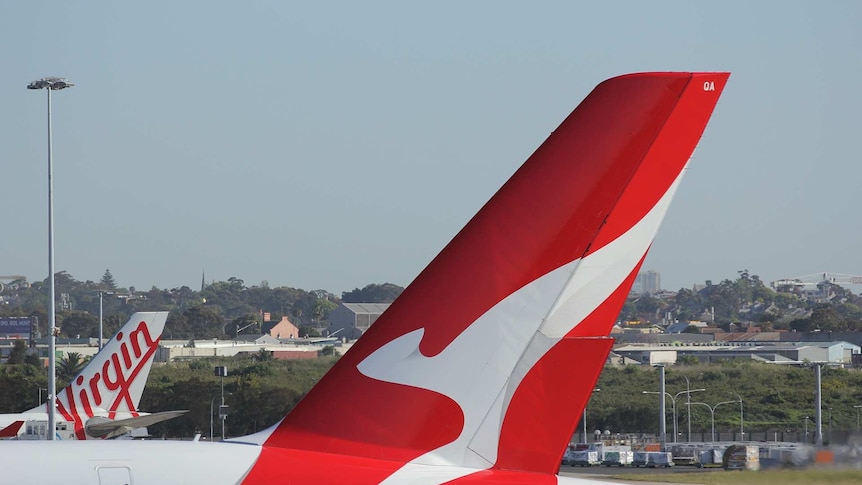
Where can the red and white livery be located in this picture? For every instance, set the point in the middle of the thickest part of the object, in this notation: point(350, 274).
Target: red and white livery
point(108, 388)
point(477, 373)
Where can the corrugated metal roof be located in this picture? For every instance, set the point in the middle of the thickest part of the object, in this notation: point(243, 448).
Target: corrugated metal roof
point(367, 307)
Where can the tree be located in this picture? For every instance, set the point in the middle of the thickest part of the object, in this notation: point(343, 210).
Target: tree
point(33, 359)
point(205, 321)
point(18, 352)
point(80, 324)
point(69, 366)
point(373, 293)
point(177, 326)
point(107, 282)
point(825, 318)
point(263, 355)
point(325, 351)
point(321, 309)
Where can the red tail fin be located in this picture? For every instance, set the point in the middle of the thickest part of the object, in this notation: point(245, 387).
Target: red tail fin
point(113, 380)
point(12, 430)
point(486, 358)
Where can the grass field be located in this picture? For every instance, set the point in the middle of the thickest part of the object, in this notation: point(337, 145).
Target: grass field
point(768, 477)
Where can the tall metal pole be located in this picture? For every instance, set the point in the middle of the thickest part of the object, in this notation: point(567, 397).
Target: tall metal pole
point(211, 419)
point(712, 413)
point(585, 424)
point(100, 320)
point(741, 419)
point(818, 413)
point(51, 83)
point(52, 318)
point(673, 411)
point(597, 389)
point(857, 416)
point(688, 402)
point(662, 409)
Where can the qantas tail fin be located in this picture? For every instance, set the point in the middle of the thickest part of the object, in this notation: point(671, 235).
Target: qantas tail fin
point(487, 358)
point(114, 379)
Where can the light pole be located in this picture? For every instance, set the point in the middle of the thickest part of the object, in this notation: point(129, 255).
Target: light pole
point(100, 314)
point(857, 406)
point(673, 398)
point(818, 408)
point(741, 417)
point(238, 329)
point(51, 84)
point(662, 410)
point(211, 417)
point(688, 410)
point(220, 371)
point(712, 413)
point(585, 416)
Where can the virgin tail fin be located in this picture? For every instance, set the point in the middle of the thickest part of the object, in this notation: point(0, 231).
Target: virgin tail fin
point(113, 380)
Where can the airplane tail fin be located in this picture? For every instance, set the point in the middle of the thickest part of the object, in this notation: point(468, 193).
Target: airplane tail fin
point(113, 380)
point(487, 359)
point(12, 430)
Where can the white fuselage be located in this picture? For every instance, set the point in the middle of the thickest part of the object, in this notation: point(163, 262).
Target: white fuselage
point(37, 422)
point(115, 462)
point(154, 462)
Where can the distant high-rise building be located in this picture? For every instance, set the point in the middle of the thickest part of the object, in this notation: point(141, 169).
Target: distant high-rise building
point(648, 283)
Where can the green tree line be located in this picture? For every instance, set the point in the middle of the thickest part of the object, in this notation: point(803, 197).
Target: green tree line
point(261, 390)
point(215, 312)
point(774, 397)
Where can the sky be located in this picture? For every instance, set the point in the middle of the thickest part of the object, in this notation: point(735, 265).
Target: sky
point(329, 145)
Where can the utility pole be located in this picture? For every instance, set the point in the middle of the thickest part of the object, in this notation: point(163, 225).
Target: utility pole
point(818, 413)
point(51, 84)
point(662, 409)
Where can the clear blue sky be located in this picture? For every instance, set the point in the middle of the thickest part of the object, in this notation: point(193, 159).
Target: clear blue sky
point(336, 144)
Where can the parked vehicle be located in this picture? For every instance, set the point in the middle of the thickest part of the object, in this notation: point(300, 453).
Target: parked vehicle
point(581, 458)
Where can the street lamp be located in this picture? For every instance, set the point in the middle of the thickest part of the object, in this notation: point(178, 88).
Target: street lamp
point(712, 412)
point(220, 371)
point(585, 416)
point(51, 84)
point(857, 406)
point(211, 417)
point(101, 292)
point(688, 409)
point(238, 329)
point(741, 418)
point(673, 398)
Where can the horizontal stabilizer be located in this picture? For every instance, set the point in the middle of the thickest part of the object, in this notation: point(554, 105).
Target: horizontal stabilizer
point(12, 430)
point(99, 427)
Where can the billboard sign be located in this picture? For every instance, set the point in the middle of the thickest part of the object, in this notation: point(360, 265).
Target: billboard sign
point(15, 327)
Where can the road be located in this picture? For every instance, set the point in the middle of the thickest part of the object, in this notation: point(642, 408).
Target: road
point(606, 473)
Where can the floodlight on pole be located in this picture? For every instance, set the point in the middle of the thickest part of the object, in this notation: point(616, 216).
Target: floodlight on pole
point(585, 415)
point(51, 84)
point(673, 398)
point(712, 412)
point(741, 418)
